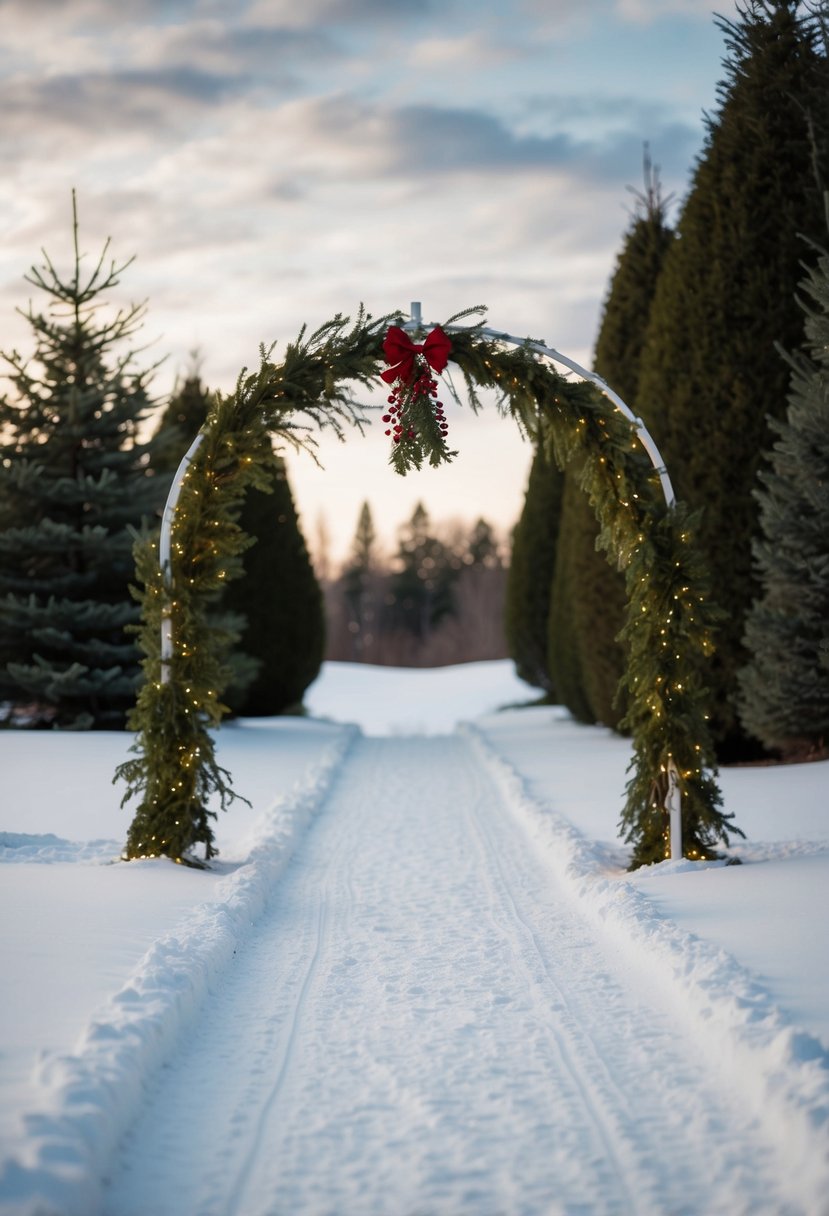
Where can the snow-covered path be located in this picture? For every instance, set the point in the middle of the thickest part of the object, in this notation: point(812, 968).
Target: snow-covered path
point(423, 1024)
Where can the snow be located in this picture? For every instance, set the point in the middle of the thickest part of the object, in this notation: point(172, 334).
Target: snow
point(770, 912)
point(418, 979)
point(413, 701)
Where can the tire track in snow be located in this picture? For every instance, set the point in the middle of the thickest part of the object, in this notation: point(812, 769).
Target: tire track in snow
point(422, 1024)
point(641, 1077)
point(494, 861)
point(255, 1147)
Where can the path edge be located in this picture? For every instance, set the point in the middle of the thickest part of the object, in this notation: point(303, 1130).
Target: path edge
point(89, 1098)
point(781, 1069)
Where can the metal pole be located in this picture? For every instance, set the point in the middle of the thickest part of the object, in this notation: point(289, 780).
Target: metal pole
point(165, 554)
point(674, 806)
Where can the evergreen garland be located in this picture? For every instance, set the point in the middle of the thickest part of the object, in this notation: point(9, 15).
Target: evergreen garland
point(275, 606)
point(669, 622)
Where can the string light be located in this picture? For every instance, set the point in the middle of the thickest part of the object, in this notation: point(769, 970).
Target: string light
point(618, 488)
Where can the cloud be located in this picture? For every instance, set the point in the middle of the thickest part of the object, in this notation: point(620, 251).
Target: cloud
point(476, 50)
point(273, 162)
point(645, 12)
point(344, 13)
point(256, 50)
point(104, 101)
point(432, 141)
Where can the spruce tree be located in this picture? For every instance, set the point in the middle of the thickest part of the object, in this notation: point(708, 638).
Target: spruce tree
point(785, 686)
point(358, 585)
point(74, 483)
point(529, 582)
point(482, 547)
point(423, 582)
point(275, 607)
point(711, 376)
point(598, 588)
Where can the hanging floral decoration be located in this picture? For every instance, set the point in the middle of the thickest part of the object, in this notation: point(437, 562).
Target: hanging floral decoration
point(174, 775)
point(415, 419)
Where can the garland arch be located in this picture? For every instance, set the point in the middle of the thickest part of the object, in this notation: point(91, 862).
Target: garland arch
point(174, 773)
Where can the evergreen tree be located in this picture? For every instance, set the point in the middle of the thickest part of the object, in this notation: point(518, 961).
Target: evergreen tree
point(422, 584)
point(276, 605)
point(74, 483)
point(710, 375)
point(564, 654)
point(785, 686)
point(181, 421)
point(530, 578)
point(359, 585)
point(598, 589)
point(627, 309)
point(482, 548)
point(281, 600)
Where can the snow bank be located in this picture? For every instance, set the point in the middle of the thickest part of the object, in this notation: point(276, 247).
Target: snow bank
point(88, 1098)
point(779, 1068)
point(412, 700)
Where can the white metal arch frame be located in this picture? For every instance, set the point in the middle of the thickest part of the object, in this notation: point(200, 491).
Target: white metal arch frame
point(413, 325)
point(644, 435)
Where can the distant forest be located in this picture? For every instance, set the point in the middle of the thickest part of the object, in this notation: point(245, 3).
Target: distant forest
point(437, 599)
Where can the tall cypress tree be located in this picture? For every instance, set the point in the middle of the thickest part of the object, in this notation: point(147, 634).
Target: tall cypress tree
point(597, 588)
point(276, 605)
point(281, 601)
point(711, 376)
point(785, 686)
point(74, 481)
point(529, 583)
point(564, 654)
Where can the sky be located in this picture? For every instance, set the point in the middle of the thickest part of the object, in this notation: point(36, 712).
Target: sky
point(270, 164)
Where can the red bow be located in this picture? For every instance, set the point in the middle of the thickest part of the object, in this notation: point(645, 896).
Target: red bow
point(400, 351)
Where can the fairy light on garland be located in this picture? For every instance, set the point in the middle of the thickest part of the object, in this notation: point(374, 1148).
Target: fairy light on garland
point(174, 774)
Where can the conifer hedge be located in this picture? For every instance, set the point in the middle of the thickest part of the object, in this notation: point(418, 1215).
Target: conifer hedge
point(533, 560)
point(711, 375)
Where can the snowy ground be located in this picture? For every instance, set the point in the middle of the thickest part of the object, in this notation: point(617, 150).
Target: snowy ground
point(419, 981)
